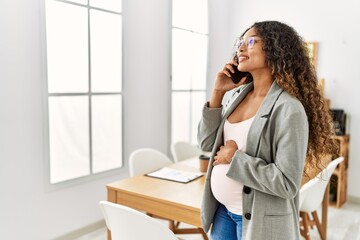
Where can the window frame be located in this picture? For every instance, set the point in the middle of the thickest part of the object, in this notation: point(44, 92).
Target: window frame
point(190, 90)
point(45, 106)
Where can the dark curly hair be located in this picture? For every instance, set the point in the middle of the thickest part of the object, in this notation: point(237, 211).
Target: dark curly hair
point(288, 58)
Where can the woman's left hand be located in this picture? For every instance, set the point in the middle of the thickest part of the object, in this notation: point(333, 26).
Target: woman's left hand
point(226, 153)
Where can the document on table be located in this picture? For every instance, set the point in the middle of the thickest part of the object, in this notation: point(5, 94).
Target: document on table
point(174, 175)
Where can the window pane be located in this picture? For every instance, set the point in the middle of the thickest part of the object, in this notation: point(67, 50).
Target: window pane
point(106, 51)
point(67, 47)
point(189, 59)
point(69, 137)
point(198, 61)
point(180, 117)
point(186, 113)
point(112, 5)
point(191, 15)
point(78, 1)
point(106, 132)
point(198, 101)
point(181, 66)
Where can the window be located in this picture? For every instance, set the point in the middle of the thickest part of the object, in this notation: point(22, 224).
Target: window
point(84, 81)
point(189, 59)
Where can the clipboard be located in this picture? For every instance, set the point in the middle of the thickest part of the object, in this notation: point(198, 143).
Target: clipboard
point(175, 175)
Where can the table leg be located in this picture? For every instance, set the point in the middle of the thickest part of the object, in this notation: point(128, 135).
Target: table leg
point(111, 197)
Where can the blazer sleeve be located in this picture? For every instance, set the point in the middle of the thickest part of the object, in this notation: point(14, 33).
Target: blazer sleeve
point(208, 126)
point(281, 176)
point(211, 120)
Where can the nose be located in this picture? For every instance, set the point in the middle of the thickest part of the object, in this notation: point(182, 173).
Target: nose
point(242, 48)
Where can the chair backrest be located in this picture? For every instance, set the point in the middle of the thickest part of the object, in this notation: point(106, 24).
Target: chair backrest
point(130, 224)
point(145, 160)
point(183, 150)
point(312, 192)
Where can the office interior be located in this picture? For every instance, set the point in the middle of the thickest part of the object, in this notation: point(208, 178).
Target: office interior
point(30, 208)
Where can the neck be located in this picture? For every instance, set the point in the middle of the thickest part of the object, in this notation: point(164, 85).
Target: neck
point(262, 84)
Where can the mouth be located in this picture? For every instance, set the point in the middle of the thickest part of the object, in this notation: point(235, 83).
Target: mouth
point(242, 58)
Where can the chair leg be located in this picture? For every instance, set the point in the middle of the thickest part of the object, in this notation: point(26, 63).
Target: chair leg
point(304, 230)
point(319, 225)
point(174, 227)
point(191, 231)
point(205, 236)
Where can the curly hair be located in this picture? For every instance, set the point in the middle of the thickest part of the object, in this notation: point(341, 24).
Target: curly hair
point(287, 57)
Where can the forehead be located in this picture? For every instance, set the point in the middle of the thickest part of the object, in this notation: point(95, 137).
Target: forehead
point(250, 32)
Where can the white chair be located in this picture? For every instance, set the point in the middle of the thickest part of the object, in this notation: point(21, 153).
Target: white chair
point(312, 195)
point(127, 223)
point(184, 150)
point(145, 160)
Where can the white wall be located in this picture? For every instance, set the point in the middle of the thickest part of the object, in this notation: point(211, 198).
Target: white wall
point(45, 215)
point(335, 26)
point(40, 214)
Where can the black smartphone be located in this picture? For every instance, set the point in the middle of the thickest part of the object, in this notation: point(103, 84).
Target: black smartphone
point(238, 75)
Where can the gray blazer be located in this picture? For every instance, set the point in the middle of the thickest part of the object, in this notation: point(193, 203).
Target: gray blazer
point(270, 169)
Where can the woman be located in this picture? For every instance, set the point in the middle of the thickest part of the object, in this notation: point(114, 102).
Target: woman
point(261, 139)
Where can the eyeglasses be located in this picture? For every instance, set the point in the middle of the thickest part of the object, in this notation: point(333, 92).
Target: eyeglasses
point(249, 42)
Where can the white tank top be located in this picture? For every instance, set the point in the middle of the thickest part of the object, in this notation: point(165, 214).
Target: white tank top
point(226, 190)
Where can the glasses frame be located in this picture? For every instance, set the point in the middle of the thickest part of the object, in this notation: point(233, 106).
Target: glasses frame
point(249, 42)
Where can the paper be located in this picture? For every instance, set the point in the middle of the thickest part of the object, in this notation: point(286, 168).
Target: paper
point(174, 175)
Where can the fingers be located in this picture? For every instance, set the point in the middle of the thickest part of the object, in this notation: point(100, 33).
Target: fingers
point(229, 68)
point(231, 143)
point(216, 161)
point(242, 81)
point(223, 81)
point(219, 160)
point(225, 153)
point(218, 153)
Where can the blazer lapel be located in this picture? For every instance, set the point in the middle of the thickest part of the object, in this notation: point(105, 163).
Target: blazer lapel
point(237, 97)
point(260, 119)
point(234, 101)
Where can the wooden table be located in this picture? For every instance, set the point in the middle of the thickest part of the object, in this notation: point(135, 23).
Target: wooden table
point(163, 198)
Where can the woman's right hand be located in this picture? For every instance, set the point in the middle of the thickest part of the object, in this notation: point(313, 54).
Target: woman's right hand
point(223, 82)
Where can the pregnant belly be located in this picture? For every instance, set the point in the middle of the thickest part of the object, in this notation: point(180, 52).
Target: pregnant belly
point(226, 190)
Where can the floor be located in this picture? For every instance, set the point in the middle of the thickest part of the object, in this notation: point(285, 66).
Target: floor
point(343, 224)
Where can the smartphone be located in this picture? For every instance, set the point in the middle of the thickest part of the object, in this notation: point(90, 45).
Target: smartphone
point(238, 75)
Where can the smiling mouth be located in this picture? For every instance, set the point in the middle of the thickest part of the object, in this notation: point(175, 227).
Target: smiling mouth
point(242, 58)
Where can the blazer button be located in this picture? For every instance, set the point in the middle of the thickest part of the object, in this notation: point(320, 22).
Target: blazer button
point(246, 189)
point(248, 216)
